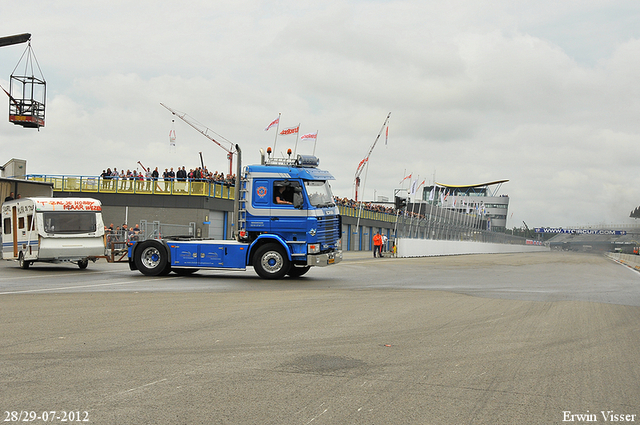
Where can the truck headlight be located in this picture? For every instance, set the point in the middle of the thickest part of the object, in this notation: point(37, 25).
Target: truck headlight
point(313, 248)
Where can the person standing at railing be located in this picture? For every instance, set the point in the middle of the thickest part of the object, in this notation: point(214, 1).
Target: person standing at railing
point(155, 176)
point(181, 177)
point(123, 179)
point(132, 179)
point(165, 178)
point(104, 177)
point(147, 175)
point(115, 176)
point(172, 176)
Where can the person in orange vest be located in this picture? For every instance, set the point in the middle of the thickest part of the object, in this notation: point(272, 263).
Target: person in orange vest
point(377, 245)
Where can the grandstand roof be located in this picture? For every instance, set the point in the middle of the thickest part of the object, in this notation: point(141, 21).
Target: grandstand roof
point(469, 186)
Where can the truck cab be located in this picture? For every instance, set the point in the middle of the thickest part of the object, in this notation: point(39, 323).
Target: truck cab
point(290, 202)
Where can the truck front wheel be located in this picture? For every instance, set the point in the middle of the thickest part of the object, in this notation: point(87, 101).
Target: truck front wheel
point(298, 271)
point(151, 259)
point(270, 262)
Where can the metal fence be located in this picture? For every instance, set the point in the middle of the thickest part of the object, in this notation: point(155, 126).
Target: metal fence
point(157, 230)
point(434, 222)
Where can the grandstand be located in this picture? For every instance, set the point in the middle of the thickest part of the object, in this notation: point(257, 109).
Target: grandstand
point(481, 198)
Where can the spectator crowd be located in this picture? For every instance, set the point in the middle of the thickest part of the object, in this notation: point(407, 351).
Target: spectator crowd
point(120, 235)
point(370, 206)
point(148, 175)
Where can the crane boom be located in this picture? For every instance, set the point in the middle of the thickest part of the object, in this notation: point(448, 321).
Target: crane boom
point(14, 39)
point(364, 162)
point(204, 130)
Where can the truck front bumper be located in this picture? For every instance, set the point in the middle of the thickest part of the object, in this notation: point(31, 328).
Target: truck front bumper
point(325, 259)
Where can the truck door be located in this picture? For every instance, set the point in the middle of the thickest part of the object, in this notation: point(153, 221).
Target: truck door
point(288, 216)
point(260, 206)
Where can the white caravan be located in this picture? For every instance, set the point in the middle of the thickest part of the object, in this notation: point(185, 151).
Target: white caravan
point(52, 230)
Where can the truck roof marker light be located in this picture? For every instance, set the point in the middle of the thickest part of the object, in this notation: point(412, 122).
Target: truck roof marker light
point(269, 150)
point(289, 152)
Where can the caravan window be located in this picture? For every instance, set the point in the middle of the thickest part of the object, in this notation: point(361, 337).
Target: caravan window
point(69, 222)
point(7, 226)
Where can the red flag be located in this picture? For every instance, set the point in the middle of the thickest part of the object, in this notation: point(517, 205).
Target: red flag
point(309, 136)
point(273, 123)
point(361, 164)
point(408, 177)
point(290, 130)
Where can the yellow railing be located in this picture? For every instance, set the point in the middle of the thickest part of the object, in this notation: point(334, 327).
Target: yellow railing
point(366, 214)
point(91, 184)
point(144, 187)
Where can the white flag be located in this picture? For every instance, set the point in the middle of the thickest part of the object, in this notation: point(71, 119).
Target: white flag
point(414, 187)
point(290, 130)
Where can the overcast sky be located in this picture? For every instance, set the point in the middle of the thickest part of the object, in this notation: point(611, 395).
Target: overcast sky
point(542, 93)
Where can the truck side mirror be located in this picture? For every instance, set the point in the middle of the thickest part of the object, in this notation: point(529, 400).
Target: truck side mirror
point(297, 199)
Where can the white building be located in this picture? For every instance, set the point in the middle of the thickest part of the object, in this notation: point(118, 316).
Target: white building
point(476, 199)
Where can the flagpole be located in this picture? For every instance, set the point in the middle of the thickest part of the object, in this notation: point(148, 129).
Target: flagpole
point(405, 210)
point(314, 144)
point(420, 207)
point(413, 204)
point(277, 131)
point(429, 222)
point(295, 149)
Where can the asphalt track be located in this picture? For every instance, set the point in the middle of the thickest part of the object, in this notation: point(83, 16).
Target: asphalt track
point(538, 338)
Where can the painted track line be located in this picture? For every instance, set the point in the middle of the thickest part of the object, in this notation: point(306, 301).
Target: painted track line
point(64, 288)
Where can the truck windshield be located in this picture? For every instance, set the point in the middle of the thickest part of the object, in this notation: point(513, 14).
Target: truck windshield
point(69, 222)
point(319, 193)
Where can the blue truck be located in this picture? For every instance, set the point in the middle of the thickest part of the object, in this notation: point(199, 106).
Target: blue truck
point(286, 221)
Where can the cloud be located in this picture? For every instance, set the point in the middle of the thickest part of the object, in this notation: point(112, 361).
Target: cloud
point(477, 91)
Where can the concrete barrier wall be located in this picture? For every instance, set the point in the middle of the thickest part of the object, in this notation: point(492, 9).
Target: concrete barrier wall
point(429, 248)
point(630, 260)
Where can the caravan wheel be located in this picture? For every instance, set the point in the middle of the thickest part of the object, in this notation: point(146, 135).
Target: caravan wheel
point(24, 264)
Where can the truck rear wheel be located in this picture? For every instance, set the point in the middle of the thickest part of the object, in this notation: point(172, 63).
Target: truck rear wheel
point(271, 262)
point(151, 259)
point(82, 264)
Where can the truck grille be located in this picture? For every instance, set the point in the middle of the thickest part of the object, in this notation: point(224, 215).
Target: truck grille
point(329, 231)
